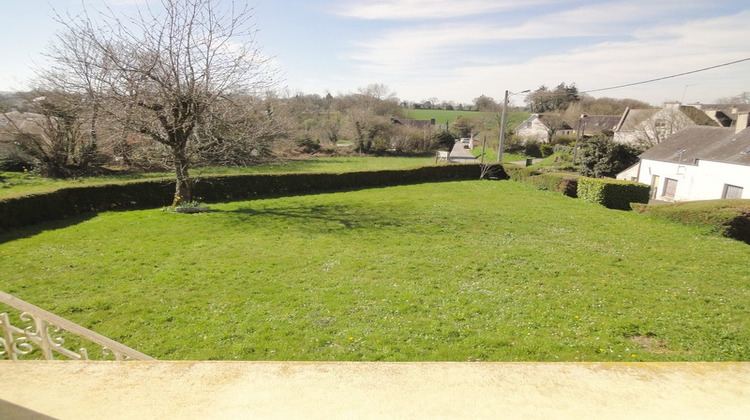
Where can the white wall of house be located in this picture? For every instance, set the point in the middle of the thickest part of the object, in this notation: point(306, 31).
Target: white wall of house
point(705, 180)
point(532, 129)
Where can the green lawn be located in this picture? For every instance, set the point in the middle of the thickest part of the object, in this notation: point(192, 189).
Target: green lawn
point(441, 116)
point(475, 270)
point(14, 183)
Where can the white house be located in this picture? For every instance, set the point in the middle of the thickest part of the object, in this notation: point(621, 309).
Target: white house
point(651, 126)
point(538, 127)
point(697, 163)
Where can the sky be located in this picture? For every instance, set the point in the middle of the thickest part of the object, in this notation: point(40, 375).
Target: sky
point(458, 50)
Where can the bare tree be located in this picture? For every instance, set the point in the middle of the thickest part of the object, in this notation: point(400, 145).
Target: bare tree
point(741, 99)
point(54, 133)
point(662, 124)
point(169, 72)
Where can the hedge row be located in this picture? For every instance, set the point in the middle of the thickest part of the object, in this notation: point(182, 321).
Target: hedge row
point(729, 218)
point(613, 194)
point(607, 192)
point(565, 184)
point(66, 202)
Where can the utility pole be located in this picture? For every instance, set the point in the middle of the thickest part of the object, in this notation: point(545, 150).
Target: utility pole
point(501, 143)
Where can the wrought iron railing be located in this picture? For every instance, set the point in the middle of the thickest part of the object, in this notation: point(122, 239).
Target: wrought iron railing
point(44, 332)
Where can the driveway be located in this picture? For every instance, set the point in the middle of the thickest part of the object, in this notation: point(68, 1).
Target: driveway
point(461, 155)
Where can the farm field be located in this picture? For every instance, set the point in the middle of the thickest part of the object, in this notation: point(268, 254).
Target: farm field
point(457, 271)
point(441, 116)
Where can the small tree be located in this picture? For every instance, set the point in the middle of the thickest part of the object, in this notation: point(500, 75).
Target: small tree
point(444, 140)
point(463, 127)
point(602, 157)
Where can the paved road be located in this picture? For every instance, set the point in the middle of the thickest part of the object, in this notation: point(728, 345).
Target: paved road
point(461, 155)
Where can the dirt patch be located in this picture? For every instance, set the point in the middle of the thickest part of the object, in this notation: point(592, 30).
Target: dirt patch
point(651, 343)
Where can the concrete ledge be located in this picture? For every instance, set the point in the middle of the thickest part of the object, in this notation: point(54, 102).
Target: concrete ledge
point(321, 390)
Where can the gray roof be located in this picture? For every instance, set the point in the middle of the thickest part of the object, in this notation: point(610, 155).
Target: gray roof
point(598, 123)
point(632, 117)
point(703, 143)
point(547, 119)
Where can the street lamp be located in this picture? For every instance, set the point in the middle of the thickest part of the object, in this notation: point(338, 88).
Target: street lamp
point(501, 143)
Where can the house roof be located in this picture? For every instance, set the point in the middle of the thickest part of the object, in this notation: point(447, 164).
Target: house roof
point(598, 123)
point(694, 143)
point(11, 122)
point(632, 117)
point(697, 116)
point(546, 119)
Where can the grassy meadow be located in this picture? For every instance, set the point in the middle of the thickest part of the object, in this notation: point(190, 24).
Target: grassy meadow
point(457, 271)
point(441, 116)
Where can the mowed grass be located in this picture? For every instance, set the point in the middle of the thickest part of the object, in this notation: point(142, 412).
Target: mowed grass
point(475, 270)
point(14, 183)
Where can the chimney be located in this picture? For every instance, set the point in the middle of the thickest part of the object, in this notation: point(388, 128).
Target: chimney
point(742, 122)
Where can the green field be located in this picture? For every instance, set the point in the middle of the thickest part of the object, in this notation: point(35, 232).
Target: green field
point(475, 270)
point(441, 116)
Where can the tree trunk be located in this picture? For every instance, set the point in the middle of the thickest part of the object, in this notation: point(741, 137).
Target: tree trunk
point(184, 185)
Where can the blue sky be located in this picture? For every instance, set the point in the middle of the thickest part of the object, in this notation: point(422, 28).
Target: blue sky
point(458, 50)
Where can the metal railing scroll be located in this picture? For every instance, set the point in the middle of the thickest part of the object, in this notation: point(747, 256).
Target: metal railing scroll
point(44, 332)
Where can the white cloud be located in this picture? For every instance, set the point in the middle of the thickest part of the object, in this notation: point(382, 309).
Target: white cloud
point(466, 57)
point(430, 9)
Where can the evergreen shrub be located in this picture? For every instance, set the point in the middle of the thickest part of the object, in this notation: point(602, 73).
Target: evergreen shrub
point(611, 193)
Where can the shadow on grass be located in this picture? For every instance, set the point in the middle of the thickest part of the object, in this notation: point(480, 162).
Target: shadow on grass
point(320, 218)
point(35, 229)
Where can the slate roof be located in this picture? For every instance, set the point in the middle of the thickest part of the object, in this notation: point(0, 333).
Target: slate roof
point(545, 119)
point(25, 121)
point(632, 117)
point(697, 116)
point(598, 123)
point(694, 143)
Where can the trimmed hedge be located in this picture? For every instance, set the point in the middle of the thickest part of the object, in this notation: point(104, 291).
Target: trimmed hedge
point(728, 218)
point(560, 183)
point(565, 184)
point(611, 193)
point(66, 202)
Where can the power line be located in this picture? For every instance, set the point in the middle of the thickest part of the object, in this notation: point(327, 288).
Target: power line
point(668, 77)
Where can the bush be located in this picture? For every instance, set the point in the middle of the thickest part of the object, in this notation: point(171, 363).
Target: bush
point(564, 140)
point(519, 173)
point(546, 149)
point(729, 218)
point(15, 162)
point(532, 149)
point(562, 149)
point(560, 183)
point(564, 184)
point(308, 145)
point(602, 157)
point(613, 194)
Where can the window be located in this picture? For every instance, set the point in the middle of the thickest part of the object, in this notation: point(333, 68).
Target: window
point(732, 192)
point(670, 187)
